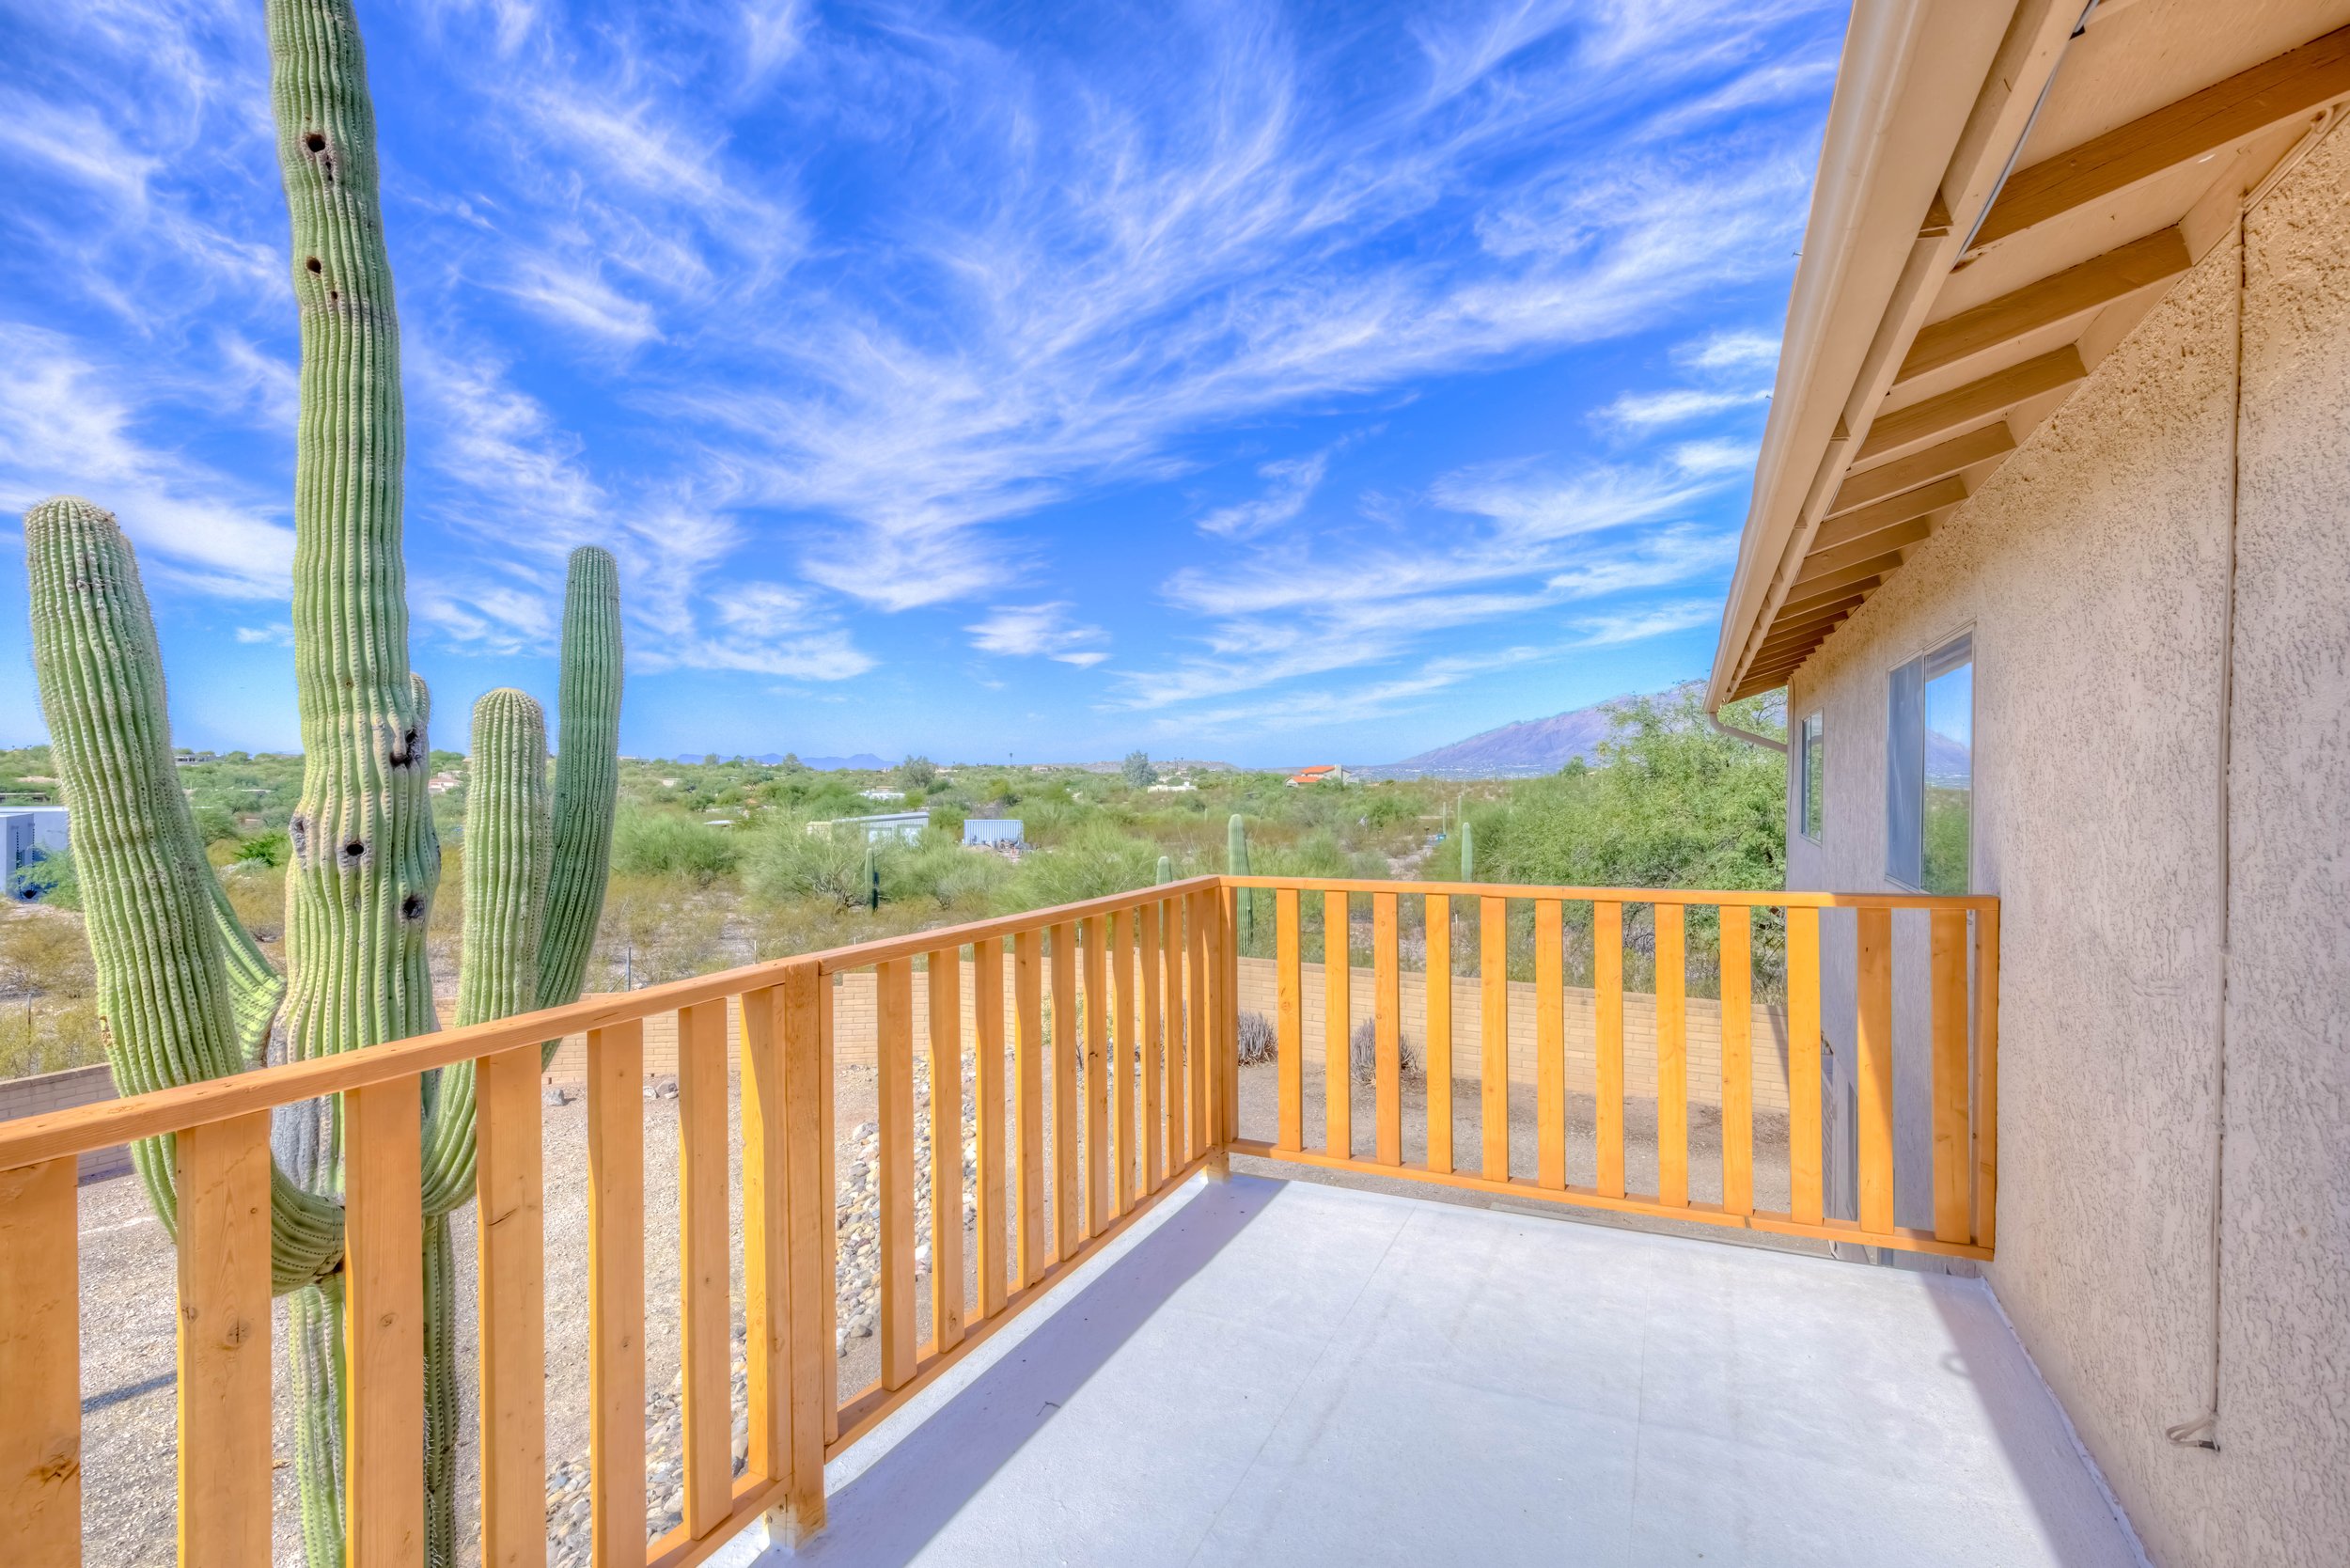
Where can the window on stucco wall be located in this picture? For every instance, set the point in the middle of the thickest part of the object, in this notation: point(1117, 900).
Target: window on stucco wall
point(1812, 777)
point(1930, 770)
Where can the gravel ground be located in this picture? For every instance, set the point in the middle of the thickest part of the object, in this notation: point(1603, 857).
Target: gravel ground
point(129, 1424)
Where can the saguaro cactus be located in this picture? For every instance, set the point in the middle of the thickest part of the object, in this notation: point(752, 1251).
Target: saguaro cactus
point(186, 992)
point(1236, 863)
point(1468, 852)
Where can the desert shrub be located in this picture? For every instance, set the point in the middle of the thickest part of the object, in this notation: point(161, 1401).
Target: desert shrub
point(1257, 1042)
point(1096, 860)
point(1362, 1054)
point(787, 861)
point(264, 848)
point(660, 843)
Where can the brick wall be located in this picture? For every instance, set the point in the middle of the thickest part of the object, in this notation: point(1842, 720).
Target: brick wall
point(57, 1091)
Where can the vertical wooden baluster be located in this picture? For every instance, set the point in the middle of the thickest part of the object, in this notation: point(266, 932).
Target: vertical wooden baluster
point(703, 1270)
point(1153, 1040)
point(987, 1046)
point(1096, 948)
point(1198, 911)
point(1068, 1056)
point(1436, 921)
point(41, 1366)
point(1737, 1096)
point(828, 1136)
point(1986, 1118)
point(1492, 1028)
point(384, 1327)
point(224, 1334)
point(1804, 1152)
point(1673, 1056)
point(807, 1084)
point(1953, 1162)
point(615, 1299)
point(1338, 1088)
point(893, 1016)
point(1028, 1073)
point(1386, 1011)
point(510, 1248)
point(1550, 1045)
point(1289, 1002)
point(766, 1250)
point(1125, 1040)
point(1228, 1008)
point(1608, 981)
point(1216, 919)
point(946, 1039)
point(1178, 1034)
point(1875, 1074)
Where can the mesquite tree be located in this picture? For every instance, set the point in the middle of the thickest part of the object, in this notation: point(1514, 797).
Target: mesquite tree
point(1236, 862)
point(186, 993)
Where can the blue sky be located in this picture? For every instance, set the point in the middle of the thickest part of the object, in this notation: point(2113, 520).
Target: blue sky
point(1268, 382)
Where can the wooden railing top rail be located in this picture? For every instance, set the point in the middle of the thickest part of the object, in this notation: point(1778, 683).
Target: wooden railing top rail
point(32, 1140)
point(1783, 900)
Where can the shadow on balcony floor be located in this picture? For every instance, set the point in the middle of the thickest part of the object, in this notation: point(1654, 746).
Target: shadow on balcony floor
point(1295, 1373)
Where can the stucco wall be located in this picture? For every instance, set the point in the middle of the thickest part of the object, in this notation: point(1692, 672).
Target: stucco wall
point(2093, 572)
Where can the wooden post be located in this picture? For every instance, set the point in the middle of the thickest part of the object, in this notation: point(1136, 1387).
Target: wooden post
point(1737, 1096)
point(384, 1327)
point(1029, 1240)
point(509, 1248)
point(702, 1264)
point(1986, 1117)
point(1097, 1080)
point(1289, 1026)
point(1068, 1055)
point(1673, 1063)
point(808, 1234)
point(40, 1365)
point(1607, 985)
point(1804, 1152)
point(616, 1294)
point(1437, 924)
point(987, 1045)
point(766, 1245)
point(893, 1012)
point(945, 967)
point(1388, 1026)
point(1492, 1068)
point(1875, 1067)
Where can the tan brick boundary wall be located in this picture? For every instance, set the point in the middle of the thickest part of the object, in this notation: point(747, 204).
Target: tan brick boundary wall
point(854, 1030)
point(65, 1091)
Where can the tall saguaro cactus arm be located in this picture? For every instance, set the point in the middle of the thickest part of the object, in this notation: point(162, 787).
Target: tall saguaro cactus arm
point(586, 774)
point(147, 890)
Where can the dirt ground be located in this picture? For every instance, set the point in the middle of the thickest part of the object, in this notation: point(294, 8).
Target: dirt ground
point(128, 1269)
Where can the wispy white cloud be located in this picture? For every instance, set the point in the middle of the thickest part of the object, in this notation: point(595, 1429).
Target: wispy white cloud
point(1611, 631)
point(1028, 631)
point(1291, 483)
point(1642, 410)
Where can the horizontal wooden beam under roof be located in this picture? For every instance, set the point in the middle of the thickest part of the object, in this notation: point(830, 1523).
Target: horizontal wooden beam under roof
point(2050, 302)
point(1980, 444)
point(1972, 404)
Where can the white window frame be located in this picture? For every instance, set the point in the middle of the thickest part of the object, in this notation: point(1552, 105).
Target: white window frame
point(1904, 758)
point(1809, 781)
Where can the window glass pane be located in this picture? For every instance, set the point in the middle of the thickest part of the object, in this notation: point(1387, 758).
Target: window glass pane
point(1904, 780)
point(1814, 775)
point(1950, 770)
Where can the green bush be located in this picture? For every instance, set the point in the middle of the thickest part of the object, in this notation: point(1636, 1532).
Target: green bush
point(663, 844)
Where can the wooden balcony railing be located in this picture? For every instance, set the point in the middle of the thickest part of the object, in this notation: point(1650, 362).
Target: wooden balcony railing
point(1102, 1073)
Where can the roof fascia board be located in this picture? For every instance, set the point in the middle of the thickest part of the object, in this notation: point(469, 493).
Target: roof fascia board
point(1931, 98)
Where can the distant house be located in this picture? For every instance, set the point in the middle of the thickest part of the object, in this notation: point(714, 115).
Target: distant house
point(1177, 787)
point(991, 832)
point(905, 826)
point(28, 837)
point(883, 795)
point(442, 783)
point(1326, 773)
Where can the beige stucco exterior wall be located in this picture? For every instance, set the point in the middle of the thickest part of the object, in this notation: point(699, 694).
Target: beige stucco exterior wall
point(2093, 572)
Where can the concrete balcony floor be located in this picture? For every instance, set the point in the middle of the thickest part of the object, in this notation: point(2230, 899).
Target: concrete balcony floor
point(1286, 1373)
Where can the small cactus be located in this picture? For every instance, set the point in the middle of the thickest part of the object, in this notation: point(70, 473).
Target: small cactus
point(1167, 869)
point(1468, 852)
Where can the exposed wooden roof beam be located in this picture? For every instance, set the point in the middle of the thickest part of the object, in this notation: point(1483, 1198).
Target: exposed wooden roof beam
point(1820, 563)
point(1775, 670)
point(1815, 579)
point(1814, 627)
point(2060, 297)
point(2293, 83)
point(1796, 609)
point(1963, 451)
point(1973, 403)
point(1890, 512)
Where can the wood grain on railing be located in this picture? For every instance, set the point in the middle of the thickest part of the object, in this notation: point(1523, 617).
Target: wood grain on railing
point(1569, 894)
point(1550, 1045)
point(1171, 993)
point(703, 1270)
point(1673, 1063)
point(616, 1294)
point(1147, 921)
point(224, 1344)
point(1289, 1026)
point(1873, 1074)
point(1388, 1026)
point(40, 1363)
point(1953, 1161)
point(1097, 1082)
point(1493, 930)
point(510, 1244)
point(807, 1080)
point(1607, 987)
point(1337, 1104)
point(1737, 1090)
point(1030, 1254)
point(990, 1208)
point(1068, 1051)
point(1986, 1119)
point(1126, 1038)
point(766, 1246)
point(1200, 1031)
point(894, 1163)
point(1806, 1188)
point(944, 969)
point(1436, 921)
point(384, 1327)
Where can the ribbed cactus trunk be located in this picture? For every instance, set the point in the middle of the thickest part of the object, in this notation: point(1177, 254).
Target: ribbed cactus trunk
point(1167, 869)
point(1468, 852)
point(1236, 863)
point(186, 992)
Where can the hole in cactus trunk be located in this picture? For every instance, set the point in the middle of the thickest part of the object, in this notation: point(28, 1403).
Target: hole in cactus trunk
point(313, 265)
point(404, 750)
point(412, 907)
point(315, 142)
point(298, 830)
point(355, 849)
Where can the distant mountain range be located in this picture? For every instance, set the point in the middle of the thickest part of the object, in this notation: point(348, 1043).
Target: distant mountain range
point(1515, 750)
point(864, 759)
